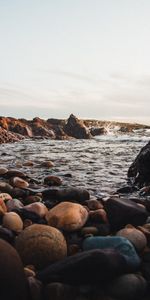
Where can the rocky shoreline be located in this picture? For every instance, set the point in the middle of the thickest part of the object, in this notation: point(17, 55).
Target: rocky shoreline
point(64, 243)
point(12, 129)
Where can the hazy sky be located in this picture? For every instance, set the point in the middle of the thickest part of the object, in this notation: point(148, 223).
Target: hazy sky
point(87, 57)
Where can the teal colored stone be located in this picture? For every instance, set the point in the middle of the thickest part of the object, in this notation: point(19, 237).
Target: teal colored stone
point(118, 243)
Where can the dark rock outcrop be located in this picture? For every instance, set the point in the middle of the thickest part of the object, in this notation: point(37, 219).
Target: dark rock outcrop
point(76, 128)
point(97, 131)
point(140, 168)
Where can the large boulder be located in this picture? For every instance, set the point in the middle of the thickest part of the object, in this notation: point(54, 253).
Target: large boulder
point(76, 128)
point(140, 168)
point(8, 137)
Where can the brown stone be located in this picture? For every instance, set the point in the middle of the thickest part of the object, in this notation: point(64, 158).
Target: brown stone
point(135, 236)
point(52, 180)
point(19, 182)
point(41, 245)
point(12, 221)
point(39, 208)
point(67, 216)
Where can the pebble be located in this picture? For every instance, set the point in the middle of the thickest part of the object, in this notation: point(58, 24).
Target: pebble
point(5, 196)
point(19, 182)
point(12, 221)
point(135, 236)
point(67, 216)
point(47, 164)
point(3, 171)
point(13, 204)
point(52, 180)
point(41, 245)
point(39, 208)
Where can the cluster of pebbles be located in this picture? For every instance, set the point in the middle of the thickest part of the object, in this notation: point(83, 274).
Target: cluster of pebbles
point(62, 243)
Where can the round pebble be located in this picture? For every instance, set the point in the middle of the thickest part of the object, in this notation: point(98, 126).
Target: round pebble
point(12, 221)
point(135, 236)
point(40, 245)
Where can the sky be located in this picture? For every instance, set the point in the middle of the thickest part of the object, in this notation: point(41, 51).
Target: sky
point(86, 57)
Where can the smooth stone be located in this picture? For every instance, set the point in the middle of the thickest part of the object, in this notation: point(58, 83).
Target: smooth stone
point(118, 243)
point(36, 288)
point(98, 216)
point(47, 164)
point(13, 283)
point(68, 194)
point(27, 223)
point(89, 230)
point(3, 171)
point(28, 163)
point(135, 236)
point(60, 291)
point(7, 235)
point(73, 249)
point(32, 199)
point(128, 286)
point(39, 208)
point(19, 182)
point(67, 216)
point(3, 208)
point(26, 214)
point(5, 196)
point(88, 267)
point(52, 180)
point(121, 211)
point(93, 204)
point(5, 187)
point(29, 272)
point(13, 204)
point(12, 221)
point(19, 193)
point(41, 245)
point(15, 173)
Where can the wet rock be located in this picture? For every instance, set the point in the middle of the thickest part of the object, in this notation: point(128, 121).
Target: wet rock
point(128, 286)
point(19, 193)
point(140, 168)
point(76, 128)
point(32, 199)
point(13, 204)
point(3, 208)
point(88, 267)
point(47, 164)
point(5, 196)
point(19, 182)
point(5, 187)
point(3, 171)
point(29, 272)
point(67, 216)
point(8, 137)
point(93, 204)
point(135, 236)
point(36, 288)
point(13, 281)
point(15, 173)
point(28, 163)
point(98, 131)
point(41, 245)
point(98, 216)
point(59, 291)
point(7, 235)
point(67, 194)
point(52, 180)
point(89, 230)
point(121, 244)
point(121, 212)
point(39, 208)
point(12, 221)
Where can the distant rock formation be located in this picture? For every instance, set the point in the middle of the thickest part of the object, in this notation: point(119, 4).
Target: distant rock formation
point(59, 129)
point(76, 128)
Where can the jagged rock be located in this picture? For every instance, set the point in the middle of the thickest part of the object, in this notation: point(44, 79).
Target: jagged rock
point(97, 131)
point(76, 128)
point(140, 168)
point(8, 137)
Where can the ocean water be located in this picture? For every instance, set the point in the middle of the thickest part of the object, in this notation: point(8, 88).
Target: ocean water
point(99, 164)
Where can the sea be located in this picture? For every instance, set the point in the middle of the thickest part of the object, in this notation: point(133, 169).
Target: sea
point(99, 164)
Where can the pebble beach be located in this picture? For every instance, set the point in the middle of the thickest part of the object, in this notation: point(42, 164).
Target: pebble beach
point(72, 225)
